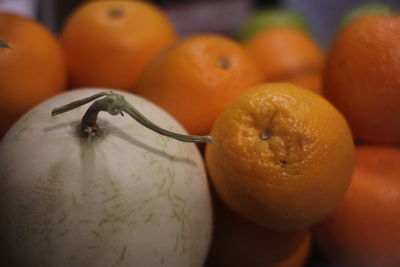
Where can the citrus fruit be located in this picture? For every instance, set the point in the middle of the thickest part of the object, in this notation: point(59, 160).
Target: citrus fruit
point(282, 156)
point(238, 242)
point(284, 53)
point(270, 17)
point(108, 43)
point(310, 80)
point(361, 77)
point(364, 228)
point(196, 77)
point(32, 66)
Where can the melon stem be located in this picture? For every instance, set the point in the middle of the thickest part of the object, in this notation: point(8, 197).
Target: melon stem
point(116, 104)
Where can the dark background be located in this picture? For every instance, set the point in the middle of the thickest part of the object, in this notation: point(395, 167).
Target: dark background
point(222, 16)
point(225, 16)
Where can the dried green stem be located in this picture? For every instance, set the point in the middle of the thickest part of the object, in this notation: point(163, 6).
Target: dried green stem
point(116, 104)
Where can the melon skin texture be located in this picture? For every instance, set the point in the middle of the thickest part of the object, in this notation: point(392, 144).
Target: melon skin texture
point(129, 198)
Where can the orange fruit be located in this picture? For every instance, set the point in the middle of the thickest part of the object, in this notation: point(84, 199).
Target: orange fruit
point(285, 53)
point(32, 66)
point(108, 43)
point(282, 156)
point(196, 77)
point(309, 80)
point(238, 242)
point(364, 228)
point(361, 77)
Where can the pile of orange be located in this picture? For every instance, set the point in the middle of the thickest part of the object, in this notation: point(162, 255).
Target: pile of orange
point(258, 168)
point(361, 79)
point(304, 140)
point(102, 44)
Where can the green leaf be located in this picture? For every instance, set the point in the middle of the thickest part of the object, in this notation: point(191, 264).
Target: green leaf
point(367, 9)
point(269, 17)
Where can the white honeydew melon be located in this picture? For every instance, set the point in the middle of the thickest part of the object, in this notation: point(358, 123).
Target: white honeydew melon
point(130, 198)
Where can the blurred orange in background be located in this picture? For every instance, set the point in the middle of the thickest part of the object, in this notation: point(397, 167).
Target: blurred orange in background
point(238, 242)
point(196, 77)
point(108, 43)
point(364, 228)
point(32, 66)
point(362, 80)
point(287, 54)
point(311, 80)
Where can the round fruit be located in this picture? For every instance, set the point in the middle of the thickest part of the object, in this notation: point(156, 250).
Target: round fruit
point(125, 197)
point(108, 43)
point(282, 157)
point(32, 67)
point(284, 53)
point(364, 228)
point(361, 77)
point(238, 242)
point(262, 19)
point(196, 77)
point(309, 80)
